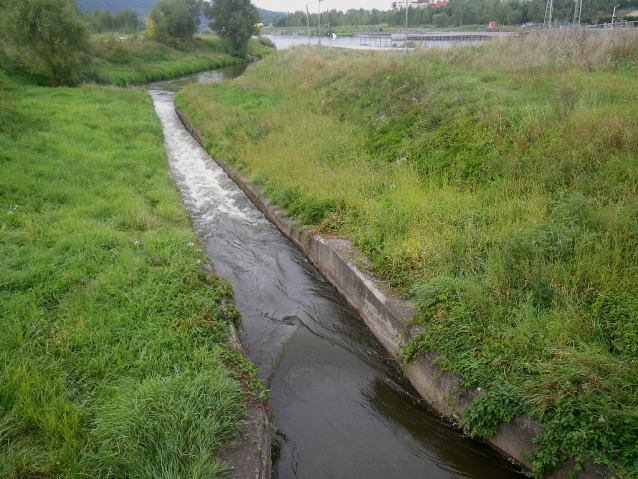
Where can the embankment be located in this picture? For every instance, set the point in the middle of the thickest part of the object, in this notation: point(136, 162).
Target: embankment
point(388, 317)
point(502, 202)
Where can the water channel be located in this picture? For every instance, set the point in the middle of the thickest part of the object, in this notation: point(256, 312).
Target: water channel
point(340, 409)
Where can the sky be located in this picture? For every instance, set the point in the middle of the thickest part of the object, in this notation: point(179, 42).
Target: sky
point(343, 5)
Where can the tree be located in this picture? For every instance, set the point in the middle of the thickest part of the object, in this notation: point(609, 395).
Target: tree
point(171, 20)
point(126, 21)
point(50, 33)
point(100, 20)
point(234, 21)
point(440, 19)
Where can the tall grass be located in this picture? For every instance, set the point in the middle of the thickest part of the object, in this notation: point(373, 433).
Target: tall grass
point(112, 337)
point(496, 185)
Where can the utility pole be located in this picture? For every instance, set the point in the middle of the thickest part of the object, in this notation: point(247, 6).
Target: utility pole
point(547, 21)
point(308, 23)
point(405, 45)
point(578, 8)
point(319, 23)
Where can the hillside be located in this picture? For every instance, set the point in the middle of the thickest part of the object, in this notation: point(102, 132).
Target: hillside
point(141, 7)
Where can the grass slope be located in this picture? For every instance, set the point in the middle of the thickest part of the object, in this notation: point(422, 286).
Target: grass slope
point(112, 337)
point(139, 60)
point(134, 59)
point(497, 186)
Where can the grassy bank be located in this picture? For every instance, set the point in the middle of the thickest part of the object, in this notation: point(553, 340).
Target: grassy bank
point(134, 59)
point(112, 336)
point(139, 60)
point(497, 186)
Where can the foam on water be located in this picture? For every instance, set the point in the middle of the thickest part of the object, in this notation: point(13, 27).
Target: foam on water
point(207, 191)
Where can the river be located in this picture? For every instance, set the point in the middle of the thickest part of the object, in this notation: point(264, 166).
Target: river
point(340, 408)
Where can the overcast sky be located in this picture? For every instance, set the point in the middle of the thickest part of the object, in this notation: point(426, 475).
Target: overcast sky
point(342, 5)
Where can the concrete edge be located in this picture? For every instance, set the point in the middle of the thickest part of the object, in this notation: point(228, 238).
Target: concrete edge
point(249, 455)
point(387, 317)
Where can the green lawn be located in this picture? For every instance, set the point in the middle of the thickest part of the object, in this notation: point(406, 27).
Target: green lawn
point(112, 337)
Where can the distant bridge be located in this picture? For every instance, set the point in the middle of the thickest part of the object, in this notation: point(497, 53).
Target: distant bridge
point(387, 38)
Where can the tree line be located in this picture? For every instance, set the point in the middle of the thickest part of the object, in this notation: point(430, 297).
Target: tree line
point(461, 12)
point(101, 20)
point(54, 34)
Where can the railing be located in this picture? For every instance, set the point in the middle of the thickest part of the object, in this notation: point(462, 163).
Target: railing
point(433, 36)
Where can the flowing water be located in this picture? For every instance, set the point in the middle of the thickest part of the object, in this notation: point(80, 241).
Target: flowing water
point(340, 410)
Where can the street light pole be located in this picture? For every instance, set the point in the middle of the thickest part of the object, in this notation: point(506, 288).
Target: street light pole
point(319, 22)
point(308, 23)
point(405, 45)
point(613, 16)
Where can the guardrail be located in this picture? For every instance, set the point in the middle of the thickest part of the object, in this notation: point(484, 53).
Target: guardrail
point(379, 37)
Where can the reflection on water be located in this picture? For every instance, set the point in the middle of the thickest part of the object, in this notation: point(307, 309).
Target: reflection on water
point(339, 409)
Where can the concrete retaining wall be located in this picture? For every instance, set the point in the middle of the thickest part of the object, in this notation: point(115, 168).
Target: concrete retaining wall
point(387, 317)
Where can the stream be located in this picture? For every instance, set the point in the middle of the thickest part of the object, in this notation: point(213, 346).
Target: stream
point(340, 407)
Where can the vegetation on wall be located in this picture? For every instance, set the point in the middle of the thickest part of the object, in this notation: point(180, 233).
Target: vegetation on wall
point(495, 185)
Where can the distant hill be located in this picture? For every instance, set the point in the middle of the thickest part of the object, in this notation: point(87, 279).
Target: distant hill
point(142, 6)
point(138, 6)
point(268, 14)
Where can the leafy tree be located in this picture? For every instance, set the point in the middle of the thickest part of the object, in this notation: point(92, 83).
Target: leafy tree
point(126, 21)
point(51, 35)
point(173, 20)
point(234, 21)
point(440, 19)
point(100, 20)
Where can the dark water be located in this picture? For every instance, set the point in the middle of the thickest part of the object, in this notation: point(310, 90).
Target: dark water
point(339, 408)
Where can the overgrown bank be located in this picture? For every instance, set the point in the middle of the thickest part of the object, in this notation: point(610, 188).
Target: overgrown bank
point(124, 60)
point(135, 60)
point(113, 339)
point(497, 186)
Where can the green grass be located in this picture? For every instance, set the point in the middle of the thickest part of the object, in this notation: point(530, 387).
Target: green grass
point(112, 337)
point(139, 60)
point(134, 59)
point(497, 186)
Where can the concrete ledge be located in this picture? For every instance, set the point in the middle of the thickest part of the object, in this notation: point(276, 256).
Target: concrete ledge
point(249, 455)
point(387, 317)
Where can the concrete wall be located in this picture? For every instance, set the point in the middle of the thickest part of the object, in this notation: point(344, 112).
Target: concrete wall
point(387, 317)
